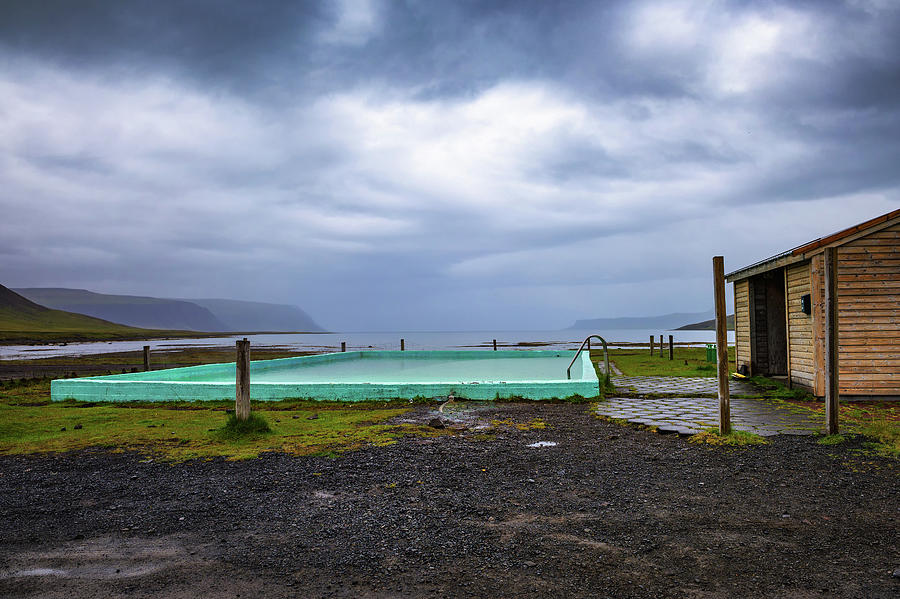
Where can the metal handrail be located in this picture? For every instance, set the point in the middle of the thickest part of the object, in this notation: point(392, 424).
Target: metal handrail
point(587, 340)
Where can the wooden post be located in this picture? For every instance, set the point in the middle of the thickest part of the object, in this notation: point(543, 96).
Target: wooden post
point(402, 345)
point(146, 358)
point(722, 345)
point(242, 384)
point(660, 346)
point(343, 346)
point(651, 345)
point(671, 348)
point(495, 345)
point(832, 387)
point(787, 328)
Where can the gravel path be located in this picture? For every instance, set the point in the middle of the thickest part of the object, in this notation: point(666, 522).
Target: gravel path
point(607, 512)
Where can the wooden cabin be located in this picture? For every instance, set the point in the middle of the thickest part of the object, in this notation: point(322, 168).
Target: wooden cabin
point(780, 315)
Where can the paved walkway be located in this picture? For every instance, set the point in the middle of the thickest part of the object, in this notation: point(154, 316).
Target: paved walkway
point(693, 413)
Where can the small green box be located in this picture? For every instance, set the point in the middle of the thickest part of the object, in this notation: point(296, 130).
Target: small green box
point(710, 352)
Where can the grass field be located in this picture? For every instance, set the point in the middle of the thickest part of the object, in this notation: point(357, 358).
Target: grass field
point(688, 361)
point(29, 423)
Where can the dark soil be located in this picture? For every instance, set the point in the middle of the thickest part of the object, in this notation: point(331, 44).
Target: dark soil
point(609, 511)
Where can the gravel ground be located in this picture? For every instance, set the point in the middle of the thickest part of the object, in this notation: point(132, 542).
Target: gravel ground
point(608, 511)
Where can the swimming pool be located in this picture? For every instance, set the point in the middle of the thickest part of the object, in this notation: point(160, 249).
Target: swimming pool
point(355, 376)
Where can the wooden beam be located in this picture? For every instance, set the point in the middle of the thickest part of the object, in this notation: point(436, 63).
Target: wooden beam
point(242, 382)
point(146, 358)
point(722, 345)
point(832, 379)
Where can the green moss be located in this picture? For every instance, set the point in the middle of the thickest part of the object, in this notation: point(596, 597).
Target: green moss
point(831, 440)
point(735, 438)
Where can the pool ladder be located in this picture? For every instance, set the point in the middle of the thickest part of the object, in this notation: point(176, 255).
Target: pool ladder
point(587, 341)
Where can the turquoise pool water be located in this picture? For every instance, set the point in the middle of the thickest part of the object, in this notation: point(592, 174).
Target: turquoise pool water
point(356, 376)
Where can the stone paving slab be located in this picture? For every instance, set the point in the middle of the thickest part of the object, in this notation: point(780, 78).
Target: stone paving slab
point(680, 384)
point(691, 415)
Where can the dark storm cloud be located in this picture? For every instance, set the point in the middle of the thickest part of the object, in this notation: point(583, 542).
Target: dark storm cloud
point(437, 164)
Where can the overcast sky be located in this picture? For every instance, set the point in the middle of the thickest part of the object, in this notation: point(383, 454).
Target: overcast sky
point(437, 165)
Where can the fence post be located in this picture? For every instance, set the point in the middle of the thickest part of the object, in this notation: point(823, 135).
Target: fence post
point(671, 348)
point(343, 346)
point(495, 345)
point(722, 346)
point(660, 346)
point(832, 362)
point(242, 383)
point(651, 345)
point(402, 345)
point(146, 358)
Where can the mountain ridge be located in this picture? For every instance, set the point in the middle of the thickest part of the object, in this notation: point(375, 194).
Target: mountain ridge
point(665, 321)
point(204, 315)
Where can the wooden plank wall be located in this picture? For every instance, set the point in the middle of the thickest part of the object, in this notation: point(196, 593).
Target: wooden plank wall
point(868, 313)
point(800, 327)
point(742, 322)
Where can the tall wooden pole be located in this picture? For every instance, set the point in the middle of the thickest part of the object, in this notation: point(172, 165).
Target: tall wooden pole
point(343, 346)
point(146, 358)
point(671, 348)
point(242, 386)
point(651, 345)
point(495, 345)
point(832, 387)
point(722, 346)
point(402, 345)
point(660, 346)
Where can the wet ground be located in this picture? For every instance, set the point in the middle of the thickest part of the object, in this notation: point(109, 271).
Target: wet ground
point(608, 511)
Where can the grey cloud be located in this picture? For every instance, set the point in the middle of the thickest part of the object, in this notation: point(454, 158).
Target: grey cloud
point(461, 164)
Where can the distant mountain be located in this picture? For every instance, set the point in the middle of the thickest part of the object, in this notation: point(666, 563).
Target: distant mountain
point(259, 316)
point(206, 315)
point(23, 320)
point(708, 325)
point(665, 322)
point(136, 311)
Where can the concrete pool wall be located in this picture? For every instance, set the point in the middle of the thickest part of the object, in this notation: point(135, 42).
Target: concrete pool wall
point(354, 376)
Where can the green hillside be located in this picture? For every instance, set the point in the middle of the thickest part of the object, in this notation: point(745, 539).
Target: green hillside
point(23, 321)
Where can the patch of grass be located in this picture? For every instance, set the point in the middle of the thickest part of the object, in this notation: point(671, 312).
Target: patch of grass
point(831, 440)
point(884, 434)
point(533, 424)
point(238, 429)
point(688, 361)
point(775, 389)
point(735, 438)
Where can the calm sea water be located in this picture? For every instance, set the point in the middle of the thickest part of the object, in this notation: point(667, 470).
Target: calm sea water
point(568, 339)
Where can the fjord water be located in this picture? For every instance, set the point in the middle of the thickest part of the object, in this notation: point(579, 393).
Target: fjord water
point(567, 339)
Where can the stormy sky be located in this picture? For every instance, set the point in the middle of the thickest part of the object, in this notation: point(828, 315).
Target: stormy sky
point(391, 165)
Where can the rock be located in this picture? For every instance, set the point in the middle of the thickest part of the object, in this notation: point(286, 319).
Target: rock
point(896, 573)
point(313, 417)
point(77, 427)
point(436, 423)
point(62, 429)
